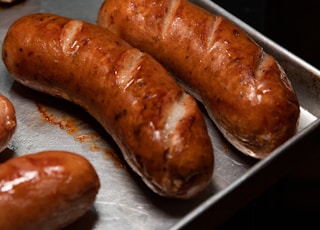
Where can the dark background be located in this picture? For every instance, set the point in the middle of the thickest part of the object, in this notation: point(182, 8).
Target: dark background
point(294, 202)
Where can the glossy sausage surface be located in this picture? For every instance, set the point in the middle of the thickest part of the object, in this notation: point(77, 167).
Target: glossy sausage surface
point(158, 127)
point(45, 190)
point(8, 121)
point(245, 91)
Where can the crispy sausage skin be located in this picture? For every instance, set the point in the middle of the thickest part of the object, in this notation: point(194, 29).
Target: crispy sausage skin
point(8, 121)
point(158, 127)
point(245, 91)
point(46, 190)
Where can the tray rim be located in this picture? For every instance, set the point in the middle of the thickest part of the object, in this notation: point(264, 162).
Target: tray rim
point(281, 155)
point(258, 36)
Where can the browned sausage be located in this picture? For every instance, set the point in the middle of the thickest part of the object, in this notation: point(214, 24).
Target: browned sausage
point(46, 190)
point(245, 91)
point(8, 121)
point(158, 127)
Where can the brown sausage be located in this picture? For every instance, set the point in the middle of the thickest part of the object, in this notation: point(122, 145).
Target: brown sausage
point(158, 127)
point(245, 91)
point(8, 121)
point(45, 190)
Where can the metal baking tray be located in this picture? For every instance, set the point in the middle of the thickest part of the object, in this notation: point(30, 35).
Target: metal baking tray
point(123, 201)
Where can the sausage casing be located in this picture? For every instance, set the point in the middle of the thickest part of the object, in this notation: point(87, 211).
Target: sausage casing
point(8, 121)
point(45, 190)
point(158, 127)
point(246, 93)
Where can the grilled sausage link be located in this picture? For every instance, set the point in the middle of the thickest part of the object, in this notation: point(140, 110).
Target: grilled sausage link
point(246, 93)
point(45, 190)
point(158, 127)
point(8, 121)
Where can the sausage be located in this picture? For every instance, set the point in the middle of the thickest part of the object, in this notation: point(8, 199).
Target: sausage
point(46, 190)
point(158, 127)
point(244, 90)
point(8, 121)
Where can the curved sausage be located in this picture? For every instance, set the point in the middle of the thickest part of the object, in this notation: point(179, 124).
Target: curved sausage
point(158, 127)
point(8, 121)
point(46, 190)
point(246, 93)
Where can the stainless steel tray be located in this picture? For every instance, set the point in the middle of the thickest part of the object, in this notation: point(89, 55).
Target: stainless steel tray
point(124, 202)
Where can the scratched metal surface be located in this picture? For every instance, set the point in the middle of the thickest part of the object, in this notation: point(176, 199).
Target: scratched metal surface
point(124, 202)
